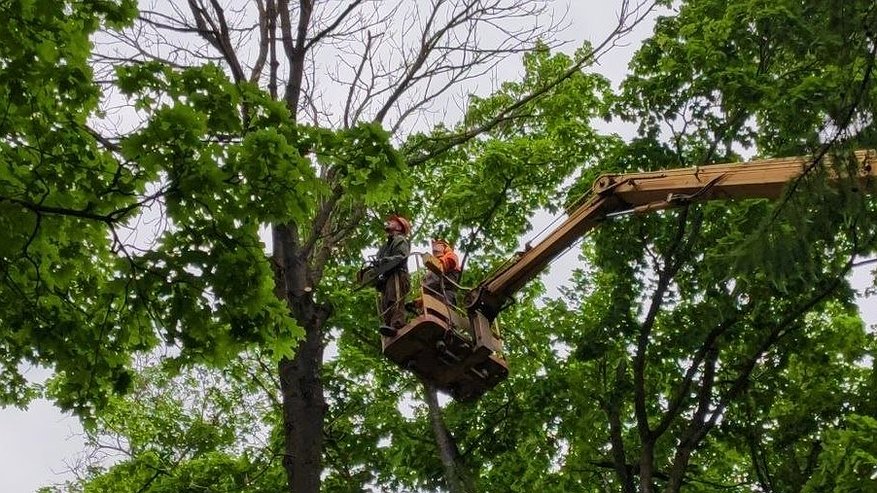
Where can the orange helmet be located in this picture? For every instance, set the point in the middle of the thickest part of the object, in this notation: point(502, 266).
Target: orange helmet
point(401, 223)
point(444, 243)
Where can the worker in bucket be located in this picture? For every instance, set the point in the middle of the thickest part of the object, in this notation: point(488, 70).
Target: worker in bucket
point(444, 285)
point(395, 282)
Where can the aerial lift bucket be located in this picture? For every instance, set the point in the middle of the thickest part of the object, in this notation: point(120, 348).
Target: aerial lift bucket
point(459, 355)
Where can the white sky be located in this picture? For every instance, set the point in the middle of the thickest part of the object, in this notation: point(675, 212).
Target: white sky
point(37, 445)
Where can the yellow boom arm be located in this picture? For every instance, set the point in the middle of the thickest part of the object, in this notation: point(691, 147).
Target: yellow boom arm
point(645, 192)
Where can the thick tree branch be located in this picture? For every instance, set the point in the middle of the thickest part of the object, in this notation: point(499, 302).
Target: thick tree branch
point(295, 48)
point(685, 448)
point(265, 35)
point(682, 390)
point(612, 407)
point(217, 34)
point(457, 477)
point(699, 427)
point(665, 276)
point(271, 12)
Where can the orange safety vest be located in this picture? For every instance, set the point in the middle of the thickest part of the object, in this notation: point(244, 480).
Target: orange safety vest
point(450, 261)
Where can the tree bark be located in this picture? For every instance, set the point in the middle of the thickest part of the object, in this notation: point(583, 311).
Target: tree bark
point(612, 404)
point(304, 410)
point(457, 477)
point(646, 468)
point(304, 405)
point(619, 458)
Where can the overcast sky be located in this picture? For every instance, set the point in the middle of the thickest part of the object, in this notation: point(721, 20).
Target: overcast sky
point(37, 445)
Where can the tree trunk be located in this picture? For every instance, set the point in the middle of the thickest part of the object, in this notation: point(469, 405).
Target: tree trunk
point(619, 458)
point(304, 405)
point(457, 477)
point(646, 468)
point(677, 472)
point(304, 409)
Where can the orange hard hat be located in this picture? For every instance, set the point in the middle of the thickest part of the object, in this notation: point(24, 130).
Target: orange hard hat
point(441, 241)
point(403, 223)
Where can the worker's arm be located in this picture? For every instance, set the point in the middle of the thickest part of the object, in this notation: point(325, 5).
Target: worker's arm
point(398, 252)
point(449, 262)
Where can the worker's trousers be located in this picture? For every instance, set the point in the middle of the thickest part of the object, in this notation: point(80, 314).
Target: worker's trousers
point(395, 289)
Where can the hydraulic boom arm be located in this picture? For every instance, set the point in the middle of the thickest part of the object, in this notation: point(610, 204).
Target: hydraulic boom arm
point(645, 192)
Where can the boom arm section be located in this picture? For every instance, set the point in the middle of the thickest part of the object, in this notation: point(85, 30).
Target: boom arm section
point(646, 192)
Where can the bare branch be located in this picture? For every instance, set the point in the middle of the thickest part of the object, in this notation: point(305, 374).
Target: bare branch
point(365, 56)
point(271, 12)
point(265, 35)
point(628, 18)
point(454, 45)
point(86, 212)
point(334, 25)
point(294, 48)
point(220, 35)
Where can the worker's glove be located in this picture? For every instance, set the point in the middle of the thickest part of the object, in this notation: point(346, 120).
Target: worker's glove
point(388, 261)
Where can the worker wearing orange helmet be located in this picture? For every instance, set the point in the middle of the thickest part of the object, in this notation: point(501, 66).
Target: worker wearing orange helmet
point(395, 282)
point(444, 285)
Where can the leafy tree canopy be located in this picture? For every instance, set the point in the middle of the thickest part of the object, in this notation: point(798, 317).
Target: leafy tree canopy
point(714, 347)
point(79, 294)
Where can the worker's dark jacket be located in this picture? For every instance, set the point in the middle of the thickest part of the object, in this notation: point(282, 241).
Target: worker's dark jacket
point(395, 283)
point(394, 251)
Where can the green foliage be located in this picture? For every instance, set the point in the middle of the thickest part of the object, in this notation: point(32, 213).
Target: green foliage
point(199, 431)
point(732, 71)
point(491, 186)
point(849, 460)
point(213, 163)
point(727, 327)
point(77, 295)
point(756, 285)
point(367, 165)
point(62, 303)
